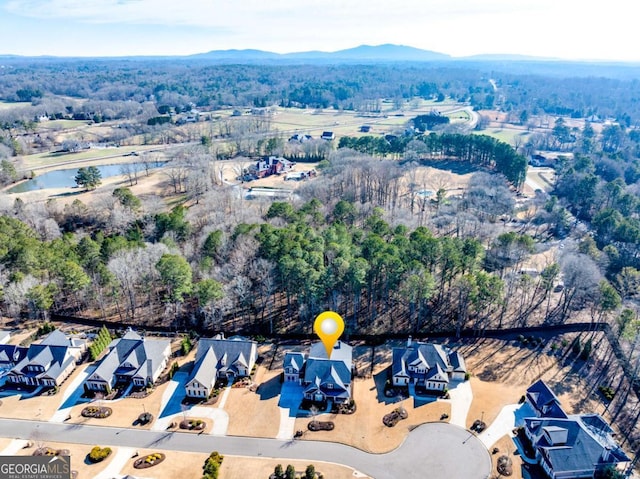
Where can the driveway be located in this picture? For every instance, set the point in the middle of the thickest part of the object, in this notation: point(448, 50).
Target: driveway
point(461, 398)
point(171, 408)
point(72, 394)
point(432, 450)
point(509, 417)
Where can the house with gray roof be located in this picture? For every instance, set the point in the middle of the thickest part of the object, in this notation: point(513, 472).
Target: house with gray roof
point(220, 358)
point(569, 446)
point(323, 378)
point(47, 363)
point(130, 359)
point(11, 355)
point(426, 365)
point(543, 401)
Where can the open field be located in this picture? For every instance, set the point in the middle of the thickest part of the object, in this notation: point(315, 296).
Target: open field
point(48, 160)
point(10, 105)
point(506, 134)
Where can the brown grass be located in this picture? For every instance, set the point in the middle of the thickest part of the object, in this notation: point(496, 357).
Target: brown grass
point(245, 467)
point(507, 448)
point(185, 465)
point(78, 453)
point(255, 413)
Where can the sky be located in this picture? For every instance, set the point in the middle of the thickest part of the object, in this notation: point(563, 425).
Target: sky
point(568, 29)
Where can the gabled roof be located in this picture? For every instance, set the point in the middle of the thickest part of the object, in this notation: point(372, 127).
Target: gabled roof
point(10, 354)
point(228, 355)
point(293, 360)
point(142, 354)
point(327, 370)
point(52, 354)
point(434, 359)
point(56, 338)
point(544, 400)
point(321, 372)
point(457, 362)
point(341, 352)
point(204, 370)
point(573, 447)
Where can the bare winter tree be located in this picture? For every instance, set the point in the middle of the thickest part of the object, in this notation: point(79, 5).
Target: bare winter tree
point(581, 279)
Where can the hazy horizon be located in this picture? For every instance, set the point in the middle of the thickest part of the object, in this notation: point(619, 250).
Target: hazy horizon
point(568, 30)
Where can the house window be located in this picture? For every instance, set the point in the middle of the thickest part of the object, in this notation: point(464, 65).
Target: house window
point(329, 386)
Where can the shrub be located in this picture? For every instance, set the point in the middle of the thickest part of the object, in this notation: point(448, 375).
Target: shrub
point(46, 328)
point(576, 347)
point(607, 391)
point(310, 472)
point(186, 345)
point(174, 368)
point(586, 350)
point(212, 465)
point(467, 375)
point(98, 454)
point(290, 473)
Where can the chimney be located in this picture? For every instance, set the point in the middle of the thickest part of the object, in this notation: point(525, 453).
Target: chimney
point(409, 342)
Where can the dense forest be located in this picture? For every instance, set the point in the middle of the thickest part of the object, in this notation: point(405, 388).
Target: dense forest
point(380, 234)
point(533, 87)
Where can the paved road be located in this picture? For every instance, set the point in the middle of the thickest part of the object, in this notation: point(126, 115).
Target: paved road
point(431, 450)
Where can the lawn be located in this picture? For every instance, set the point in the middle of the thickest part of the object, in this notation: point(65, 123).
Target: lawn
point(508, 135)
point(61, 124)
point(10, 105)
point(49, 159)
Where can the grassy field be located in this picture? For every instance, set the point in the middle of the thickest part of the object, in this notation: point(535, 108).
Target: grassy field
point(508, 135)
point(61, 124)
point(8, 105)
point(48, 159)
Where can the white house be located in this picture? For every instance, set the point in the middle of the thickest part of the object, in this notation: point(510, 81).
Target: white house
point(323, 379)
point(130, 359)
point(48, 363)
point(428, 365)
point(220, 358)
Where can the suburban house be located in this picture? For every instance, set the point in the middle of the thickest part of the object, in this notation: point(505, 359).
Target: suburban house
point(11, 355)
point(5, 336)
point(220, 358)
point(543, 401)
point(541, 160)
point(323, 379)
point(569, 446)
point(328, 135)
point(426, 365)
point(300, 138)
point(270, 165)
point(48, 363)
point(131, 359)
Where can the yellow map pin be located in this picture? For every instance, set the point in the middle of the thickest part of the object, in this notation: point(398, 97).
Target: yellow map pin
point(329, 327)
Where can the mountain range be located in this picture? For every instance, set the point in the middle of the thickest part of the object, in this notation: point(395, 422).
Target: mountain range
point(387, 52)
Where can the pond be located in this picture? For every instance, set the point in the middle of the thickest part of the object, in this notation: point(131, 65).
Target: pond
point(66, 178)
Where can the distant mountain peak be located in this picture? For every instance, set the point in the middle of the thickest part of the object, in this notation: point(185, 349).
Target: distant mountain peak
point(371, 53)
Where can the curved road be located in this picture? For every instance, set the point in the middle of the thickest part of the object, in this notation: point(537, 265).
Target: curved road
point(431, 450)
